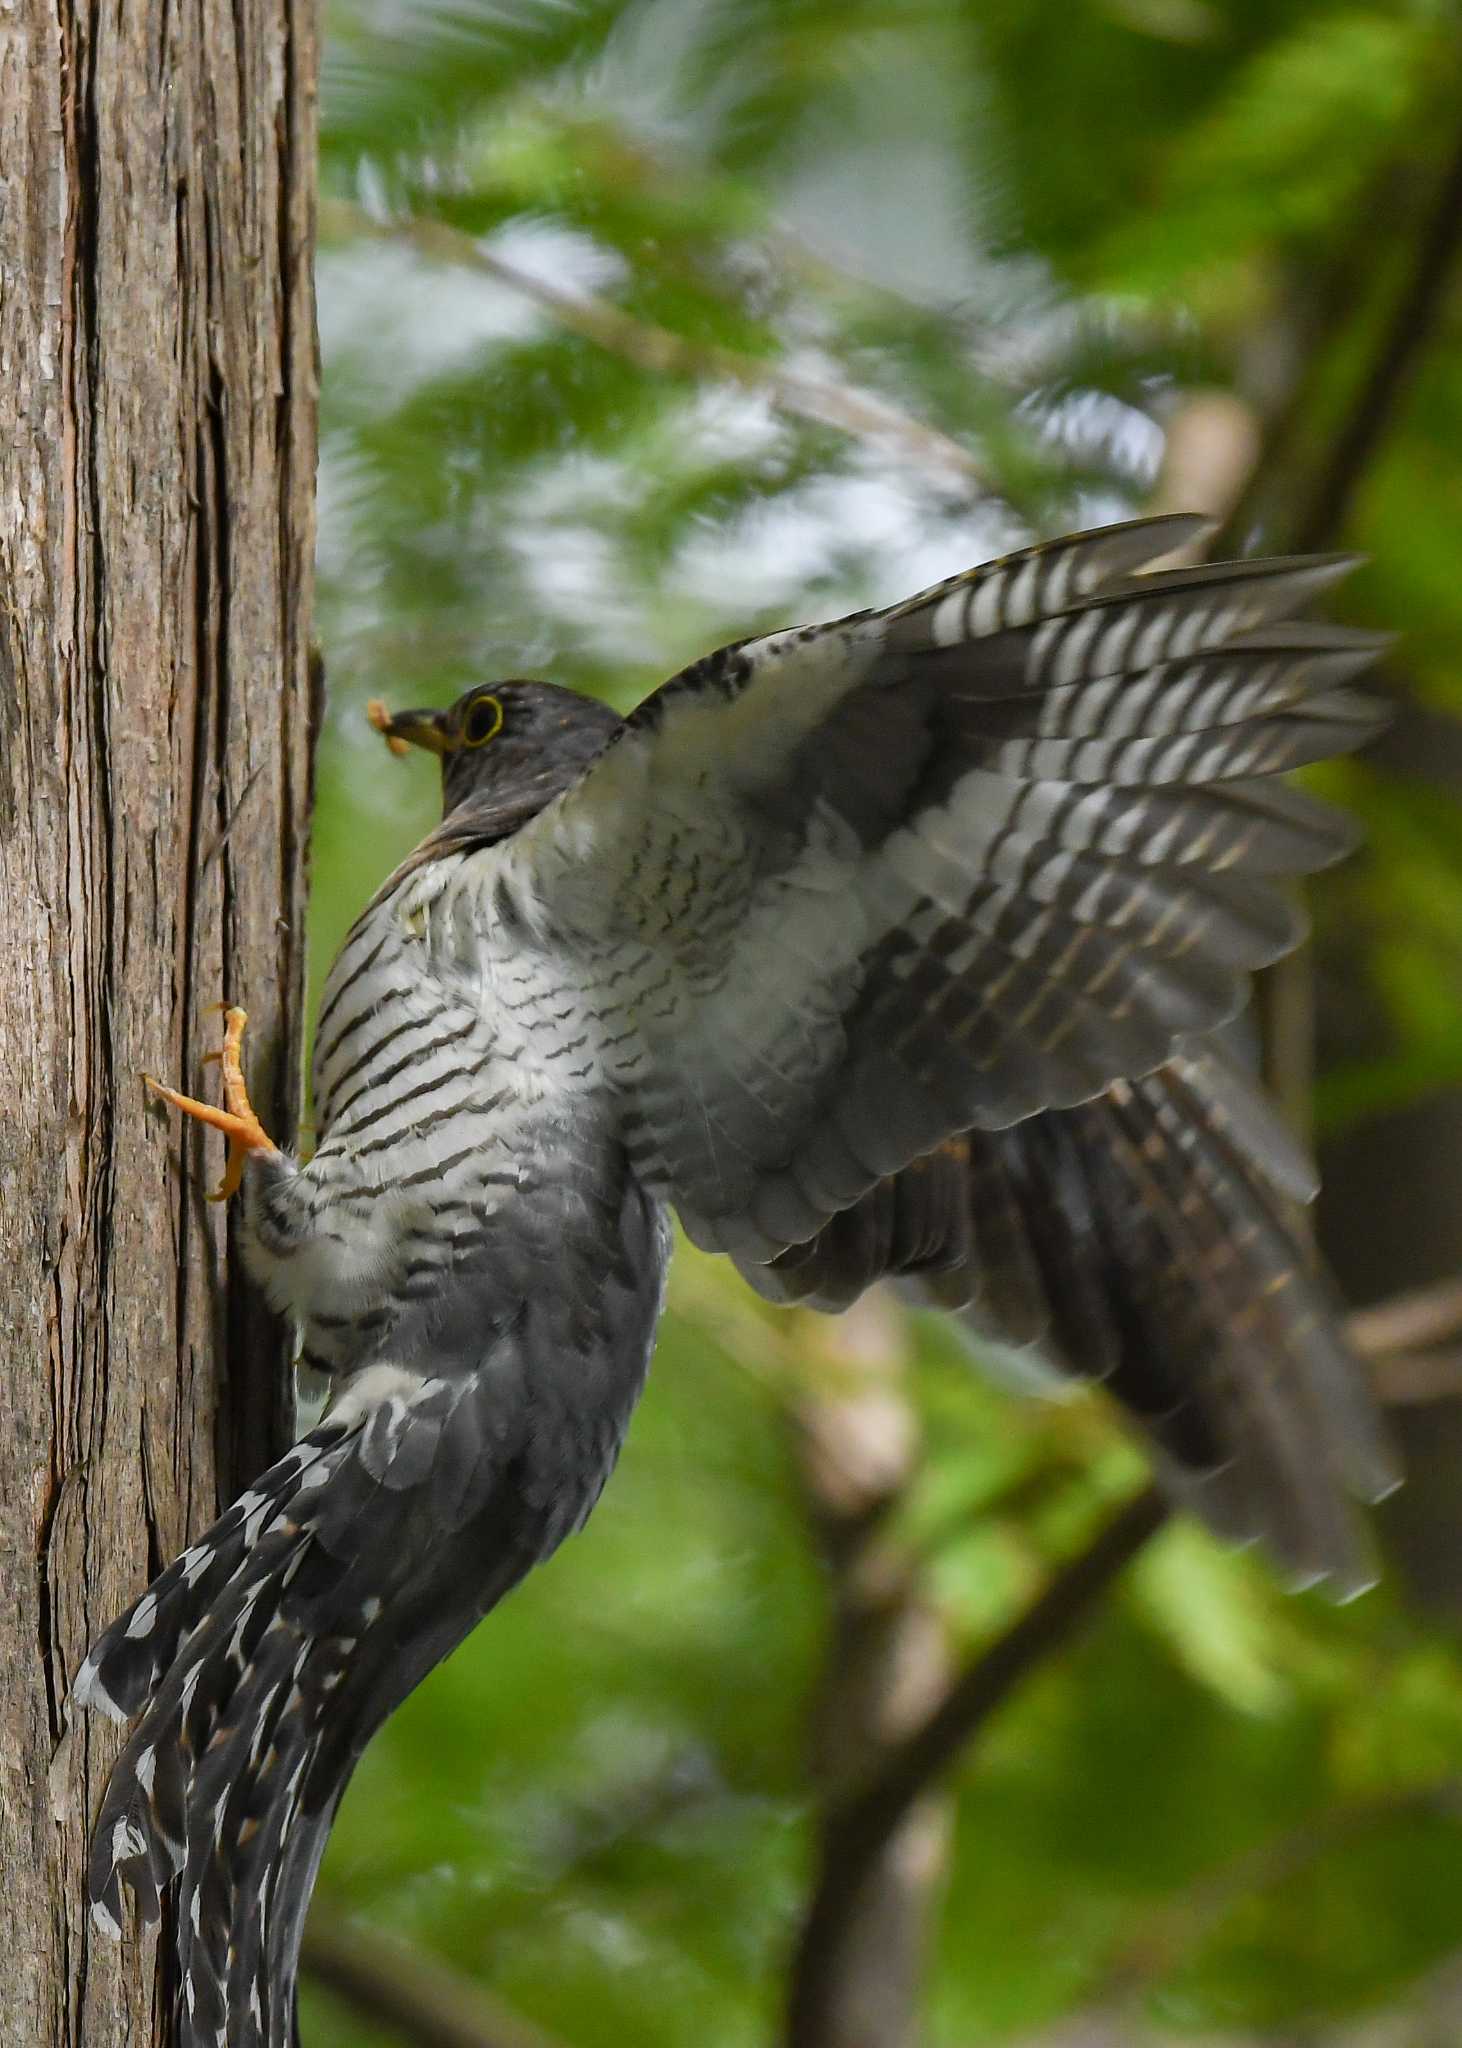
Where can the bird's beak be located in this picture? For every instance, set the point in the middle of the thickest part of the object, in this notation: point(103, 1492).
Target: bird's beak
point(401, 729)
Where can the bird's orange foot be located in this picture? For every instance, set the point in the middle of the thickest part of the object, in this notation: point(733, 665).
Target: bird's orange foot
point(236, 1119)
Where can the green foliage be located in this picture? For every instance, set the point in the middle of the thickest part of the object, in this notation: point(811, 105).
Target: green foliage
point(822, 233)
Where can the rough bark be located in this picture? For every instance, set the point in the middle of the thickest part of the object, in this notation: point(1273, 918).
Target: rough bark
point(157, 432)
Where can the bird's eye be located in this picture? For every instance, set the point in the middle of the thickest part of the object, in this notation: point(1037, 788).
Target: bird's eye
point(483, 722)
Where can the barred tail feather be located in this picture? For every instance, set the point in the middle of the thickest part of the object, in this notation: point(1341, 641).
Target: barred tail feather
point(265, 1657)
point(125, 1665)
point(207, 1666)
point(252, 1783)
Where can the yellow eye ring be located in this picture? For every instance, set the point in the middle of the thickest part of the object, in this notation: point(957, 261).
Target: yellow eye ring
point(484, 721)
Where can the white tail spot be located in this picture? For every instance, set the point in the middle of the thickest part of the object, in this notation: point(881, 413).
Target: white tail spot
point(105, 1921)
point(89, 1691)
point(144, 1614)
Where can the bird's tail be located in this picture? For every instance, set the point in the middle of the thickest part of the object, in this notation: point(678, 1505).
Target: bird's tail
point(234, 1688)
point(262, 1660)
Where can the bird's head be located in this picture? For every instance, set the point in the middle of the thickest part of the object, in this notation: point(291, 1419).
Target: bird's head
point(506, 749)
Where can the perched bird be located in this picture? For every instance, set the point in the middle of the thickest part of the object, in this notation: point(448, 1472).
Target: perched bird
point(893, 947)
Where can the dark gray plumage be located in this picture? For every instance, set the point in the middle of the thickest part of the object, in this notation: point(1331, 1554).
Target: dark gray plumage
point(892, 948)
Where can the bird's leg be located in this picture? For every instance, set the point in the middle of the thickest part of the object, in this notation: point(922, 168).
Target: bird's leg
point(236, 1119)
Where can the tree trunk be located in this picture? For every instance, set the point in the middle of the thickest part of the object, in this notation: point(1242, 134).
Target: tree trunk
point(157, 440)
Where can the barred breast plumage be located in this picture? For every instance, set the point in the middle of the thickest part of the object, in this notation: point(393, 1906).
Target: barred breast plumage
point(455, 1074)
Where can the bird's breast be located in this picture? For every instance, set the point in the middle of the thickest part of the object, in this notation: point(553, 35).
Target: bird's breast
point(464, 1117)
point(447, 1002)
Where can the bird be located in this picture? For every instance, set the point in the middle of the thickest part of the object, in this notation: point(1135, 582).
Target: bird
point(907, 947)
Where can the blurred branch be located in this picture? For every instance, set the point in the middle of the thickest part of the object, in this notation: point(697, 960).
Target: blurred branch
point(855, 1833)
point(1413, 1379)
point(393, 1985)
point(1314, 518)
point(1321, 309)
point(1284, 1009)
point(886, 1666)
point(1398, 1338)
point(1284, 993)
point(1423, 299)
point(660, 352)
point(1211, 445)
point(986, 1683)
point(1411, 1343)
point(1214, 453)
point(1419, 1320)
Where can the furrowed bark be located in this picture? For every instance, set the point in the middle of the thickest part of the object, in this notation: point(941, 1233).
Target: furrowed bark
point(157, 440)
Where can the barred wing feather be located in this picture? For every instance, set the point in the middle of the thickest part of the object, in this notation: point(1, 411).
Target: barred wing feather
point(843, 892)
point(1146, 1240)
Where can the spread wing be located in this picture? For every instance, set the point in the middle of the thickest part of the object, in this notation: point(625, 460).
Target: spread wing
point(1146, 1239)
point(836, 895)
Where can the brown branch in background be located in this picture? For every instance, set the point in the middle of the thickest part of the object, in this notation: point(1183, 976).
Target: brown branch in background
point(1413, 1343)
point(1417, 1379)
point(395, 1986)
point(661, 353)
point(1422, 1319)
point(1291, 514)
point(1315, 518)
point(887, 1662)
point(1401, 1339)
point(854, 1834)
point(1284, 1012)
point(1211, 445)
point(1047, 1624)
point(1422, 302)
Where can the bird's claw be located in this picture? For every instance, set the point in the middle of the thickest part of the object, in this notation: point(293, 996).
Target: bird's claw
point(236, 1119)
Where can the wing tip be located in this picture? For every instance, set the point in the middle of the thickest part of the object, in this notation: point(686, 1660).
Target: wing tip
point(1181, 529)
